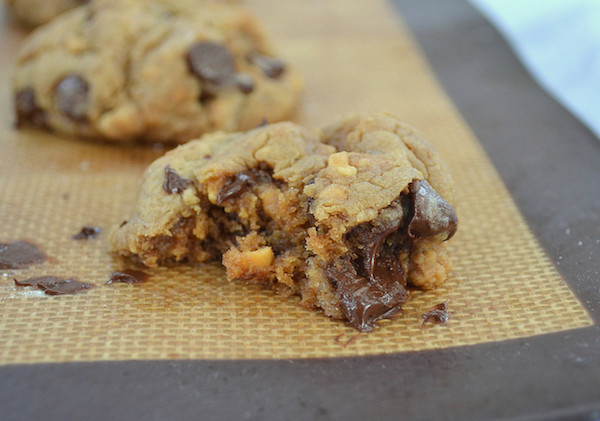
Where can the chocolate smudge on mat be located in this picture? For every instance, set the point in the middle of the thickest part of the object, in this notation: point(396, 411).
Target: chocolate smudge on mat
point(53, 285)
point(20, 254)
point(87, 232)
point(438, 314)
point(128, 276)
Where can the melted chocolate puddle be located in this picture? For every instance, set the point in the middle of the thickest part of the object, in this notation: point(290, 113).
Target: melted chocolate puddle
point(19, 255)
point(128, 276)
point(53, 285)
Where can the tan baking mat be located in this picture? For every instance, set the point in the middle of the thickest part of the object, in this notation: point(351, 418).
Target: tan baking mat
point(356, 57)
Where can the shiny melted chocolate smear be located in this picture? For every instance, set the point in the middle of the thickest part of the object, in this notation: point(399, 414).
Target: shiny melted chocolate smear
point(53, 285)
point(128, 276)
point(242, 180)
point(174, 183)
point(19, 255)
point(372, 286)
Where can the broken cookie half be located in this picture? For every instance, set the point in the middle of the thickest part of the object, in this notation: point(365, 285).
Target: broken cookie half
point(347, 217)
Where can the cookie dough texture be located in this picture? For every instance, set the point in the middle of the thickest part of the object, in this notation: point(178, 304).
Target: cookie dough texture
point(346, 217)
point(157, 71)
point(37, 12)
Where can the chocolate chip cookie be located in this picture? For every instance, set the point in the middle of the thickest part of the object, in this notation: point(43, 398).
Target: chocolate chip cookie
point(37, 12)
point(346, 217)
point(156, 71)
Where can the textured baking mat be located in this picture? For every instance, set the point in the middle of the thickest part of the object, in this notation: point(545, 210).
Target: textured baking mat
point(356, 57)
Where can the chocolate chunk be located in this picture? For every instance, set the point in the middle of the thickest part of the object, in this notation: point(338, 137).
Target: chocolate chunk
point(71, 97)
point(27, 110)
point(236, 184)
point(271, 67)
point(128, 276)
point(244, 82)
point(264, 122)
point(438, 314)
point(372, 286)
point(87, 233)
point(212, 63)
point(174, 183)
point(53, 285)
point(19, 254)
point(363, 302)
point(432, 215)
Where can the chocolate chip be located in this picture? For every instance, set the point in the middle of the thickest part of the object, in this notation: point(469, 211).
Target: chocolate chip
point(87, 233)
point(174, 183)
point(128, 276)
point(212, 63)
point(244, 82)
point(19, 254)
point(271, 67)
point(27, 110)
point(71, 97)
point(53, 285)
point(236, 184)
point(432, 215)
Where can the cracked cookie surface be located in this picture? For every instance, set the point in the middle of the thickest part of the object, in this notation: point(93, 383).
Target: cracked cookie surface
point(156, 71)
point(347, 217)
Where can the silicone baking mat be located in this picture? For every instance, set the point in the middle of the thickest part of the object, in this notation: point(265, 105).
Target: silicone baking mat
point(356, 56)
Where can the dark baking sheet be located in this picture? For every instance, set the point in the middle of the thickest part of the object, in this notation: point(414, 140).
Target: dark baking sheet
point(550, 163)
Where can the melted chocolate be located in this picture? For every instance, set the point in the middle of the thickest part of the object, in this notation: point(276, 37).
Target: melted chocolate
point(87, 233)
point(373, 285)
point(71, 97)
point(432, 215)
point(242, 180)
point(271, 67)
point(28, 111)
point(438, 314)
point(174, 183)
point(212, 63)
point(19, 254)
point(53, 285)
point(363, 302)
point(128, 276)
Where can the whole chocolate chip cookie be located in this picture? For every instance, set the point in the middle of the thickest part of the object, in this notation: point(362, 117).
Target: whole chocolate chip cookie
point(37, 12)
point(156, 71)
point(347, 217)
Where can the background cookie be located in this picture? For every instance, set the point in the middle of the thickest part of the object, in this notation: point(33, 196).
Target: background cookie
point(159, 71)
point(37, 12)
